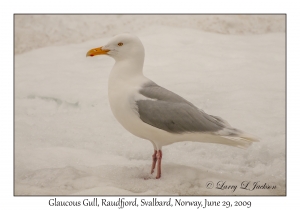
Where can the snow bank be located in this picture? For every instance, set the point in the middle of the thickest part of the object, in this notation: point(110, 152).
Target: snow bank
point(36, 31)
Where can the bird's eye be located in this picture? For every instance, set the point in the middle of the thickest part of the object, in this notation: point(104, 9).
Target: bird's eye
point(120, 43)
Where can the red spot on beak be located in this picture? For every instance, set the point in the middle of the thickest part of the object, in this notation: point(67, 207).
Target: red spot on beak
point(91, 55)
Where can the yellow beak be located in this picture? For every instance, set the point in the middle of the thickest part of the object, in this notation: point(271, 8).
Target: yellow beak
point(97, 51)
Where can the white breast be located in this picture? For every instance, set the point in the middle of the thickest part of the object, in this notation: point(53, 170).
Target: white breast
point(122, 93)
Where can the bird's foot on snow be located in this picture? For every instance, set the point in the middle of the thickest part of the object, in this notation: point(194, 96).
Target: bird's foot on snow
point(156, 157)
point(147, 178)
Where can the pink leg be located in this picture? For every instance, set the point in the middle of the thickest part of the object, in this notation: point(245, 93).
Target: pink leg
point(153, 161)
point(159, 157)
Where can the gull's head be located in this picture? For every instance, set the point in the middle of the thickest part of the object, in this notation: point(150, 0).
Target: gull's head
point(122, 46)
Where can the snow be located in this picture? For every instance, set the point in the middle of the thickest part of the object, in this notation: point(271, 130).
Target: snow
point(67, 141)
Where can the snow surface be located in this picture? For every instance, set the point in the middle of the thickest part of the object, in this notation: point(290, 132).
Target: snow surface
point(68, 142)
point(35, 31)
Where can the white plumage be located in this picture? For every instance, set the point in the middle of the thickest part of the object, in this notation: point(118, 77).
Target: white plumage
point(151, 112)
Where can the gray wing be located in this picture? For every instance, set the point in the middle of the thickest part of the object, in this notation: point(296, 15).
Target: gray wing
point(174, 114)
